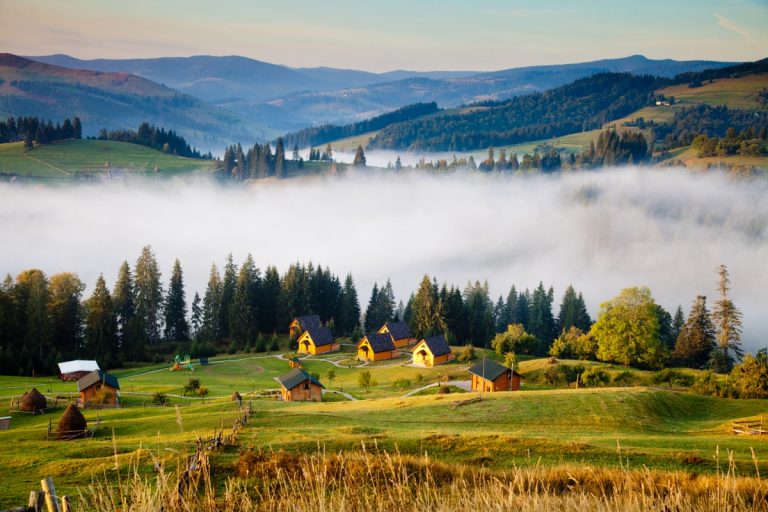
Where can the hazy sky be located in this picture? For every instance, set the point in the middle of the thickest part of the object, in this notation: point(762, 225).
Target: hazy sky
point(392, 34)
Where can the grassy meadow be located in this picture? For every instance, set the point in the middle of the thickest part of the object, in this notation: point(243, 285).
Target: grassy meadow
point(628, 428)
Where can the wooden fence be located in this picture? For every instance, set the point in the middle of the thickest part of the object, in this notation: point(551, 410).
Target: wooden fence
point(750, 428)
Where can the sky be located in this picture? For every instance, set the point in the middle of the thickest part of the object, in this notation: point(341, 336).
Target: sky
point(393, 34)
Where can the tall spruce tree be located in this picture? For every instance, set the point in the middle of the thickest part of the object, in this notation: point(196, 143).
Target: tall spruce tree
point(500, 315)
point(197, 316)
point(370, 311)
point(66, 290)
point(227, 296)
point(243, 315)
point(101, 340)
point(176, 327)
point(149, 294)
point(697, 337)
point(280, 159)
point(129, 328)
point(32, 293)
point(479, 314)
point(727, 319)
point(349, 309)
point(269, 301)
point(573, 312)
point(678, 321)
point(541, 320)
point(426, 318)
point(209, 331)
point(359, 160)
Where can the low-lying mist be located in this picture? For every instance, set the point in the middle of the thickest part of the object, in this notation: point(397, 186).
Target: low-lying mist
point(600, 231)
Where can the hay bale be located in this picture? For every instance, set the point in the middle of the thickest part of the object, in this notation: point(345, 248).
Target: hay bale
point(236, 397)
point(33, 401)
point(72, 424)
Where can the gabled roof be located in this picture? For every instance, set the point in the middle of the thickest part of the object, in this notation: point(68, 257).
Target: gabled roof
point(295, 377)
point(488, 369)
point(379, 342)
point(97, 376)
point(437, 345)
point(309, 321)
point(320, 335)
point(398, 330)
point(78, 365)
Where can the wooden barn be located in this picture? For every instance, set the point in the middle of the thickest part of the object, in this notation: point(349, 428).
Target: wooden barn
point(299, 386)
point(317, 340)
point(300, 324)
point(376, 347)
point(399, 332)
point(489, 376)
point(432, 351)
point(90, 385)
point(77, 369)
point(295, 362)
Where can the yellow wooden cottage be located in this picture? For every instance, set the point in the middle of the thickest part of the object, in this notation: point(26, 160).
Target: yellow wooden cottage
point(399, 332)
point(317, 340)
point(301, 323)
point(376, 347)
point(432, 351)
point(489, 376)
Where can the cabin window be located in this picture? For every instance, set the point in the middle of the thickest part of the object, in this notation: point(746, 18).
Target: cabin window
point(306, 385)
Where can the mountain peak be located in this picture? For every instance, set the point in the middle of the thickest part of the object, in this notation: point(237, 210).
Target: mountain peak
point(13, 61)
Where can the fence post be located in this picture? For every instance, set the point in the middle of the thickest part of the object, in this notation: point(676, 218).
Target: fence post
point(65, 507)
point(50, 494)
point(36, 500)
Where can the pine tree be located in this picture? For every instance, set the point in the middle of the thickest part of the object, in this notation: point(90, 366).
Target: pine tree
point(727, 319)
point(101, 325)
point(455, 316)
point(678, 321)
point(541, 321)
point(426, 319)
point(573, 312)
point(269, 300)
point(149, 294)
point(359, 160)
point(244, 313)
point(479, 314)
point(197, 316)
point(500, 315)
point(370, 311)
point(129, 328)
point(697, 337)
point(227, 296)
point(32, 294)
point(349, 309)
point(280, 159)
point(66, 314)
point(296, 152)
point(209, 330)
point(176, 327)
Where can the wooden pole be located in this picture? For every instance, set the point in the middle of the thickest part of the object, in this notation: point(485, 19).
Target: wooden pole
point(36, 500)
point(50, 494)
point(65, 506)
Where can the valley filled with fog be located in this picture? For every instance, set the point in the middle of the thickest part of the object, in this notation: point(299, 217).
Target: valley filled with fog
point(600, 231)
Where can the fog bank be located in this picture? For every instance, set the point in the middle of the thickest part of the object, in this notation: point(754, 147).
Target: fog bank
point(600, 231)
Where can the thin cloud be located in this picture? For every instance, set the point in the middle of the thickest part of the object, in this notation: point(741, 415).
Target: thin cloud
point(731, 25)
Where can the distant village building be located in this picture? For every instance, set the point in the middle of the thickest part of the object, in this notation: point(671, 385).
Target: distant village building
point(295, 362)
point(376, 347)
point(399, 332)
point(298, 386)
point(90, 389)
point(300, 324)
point(317, 340)
point(432, 351)
point(489, 376)
point(77, 369)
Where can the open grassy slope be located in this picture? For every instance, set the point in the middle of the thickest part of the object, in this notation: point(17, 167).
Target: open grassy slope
point(71, 158)
point(738, 92)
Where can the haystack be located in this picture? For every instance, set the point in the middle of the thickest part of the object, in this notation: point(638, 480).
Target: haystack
point(236, 397)
point(33, 401)
point(72, 424)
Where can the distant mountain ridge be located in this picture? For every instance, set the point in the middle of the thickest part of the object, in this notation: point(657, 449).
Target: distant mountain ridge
point(115, 100)
point(287, 99)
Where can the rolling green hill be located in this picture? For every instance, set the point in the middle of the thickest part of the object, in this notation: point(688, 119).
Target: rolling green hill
point(115, 100)
point(71, 159)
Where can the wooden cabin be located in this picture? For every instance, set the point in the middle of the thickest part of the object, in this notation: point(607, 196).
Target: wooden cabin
point(399, 332)
point(432, 351)
point(376, 347)
point(90, 385)
point(489, 376)
point(317, 340)
point(77, 369)
point(299, 386)
point(295, 362)
point(300, 324)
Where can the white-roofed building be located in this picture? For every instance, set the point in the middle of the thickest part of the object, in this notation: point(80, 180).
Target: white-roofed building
point(77, 369)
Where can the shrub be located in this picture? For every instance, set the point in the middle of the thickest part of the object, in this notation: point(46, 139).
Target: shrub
point(467, 353)
point(625, 378)
point(444, 390)
point(595, 377)
point(191, 386)
point(274, 345)
point(160, 399)
point(670, 377)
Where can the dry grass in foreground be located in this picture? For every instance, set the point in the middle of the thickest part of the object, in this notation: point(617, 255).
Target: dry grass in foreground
point(384, 482)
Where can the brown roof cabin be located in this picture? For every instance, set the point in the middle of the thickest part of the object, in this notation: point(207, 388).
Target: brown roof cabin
point(317, 340)
point(295, 362)
point(301, 323)
point(490, 376)
point(432, 351)
point(77, 369)
point(376, 347)
point(297, 386)
point(90, 385)
point(399, 332)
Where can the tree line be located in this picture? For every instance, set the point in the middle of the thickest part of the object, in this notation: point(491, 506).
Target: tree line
point(157, 138)
point(33, 130)
point(257, 162)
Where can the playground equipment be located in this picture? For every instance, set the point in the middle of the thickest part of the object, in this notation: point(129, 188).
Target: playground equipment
point(182, 364)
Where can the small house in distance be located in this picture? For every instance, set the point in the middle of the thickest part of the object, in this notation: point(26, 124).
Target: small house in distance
point(399, 332)
point(77, 369)
point(317, 340)
point(376, 347)
point(297, 386)
point(432, 351)
point(295, 362)
point(490, 376)
point(90, 388)
point(300, 324)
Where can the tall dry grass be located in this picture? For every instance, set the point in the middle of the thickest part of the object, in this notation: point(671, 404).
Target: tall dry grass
point(390, 482)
